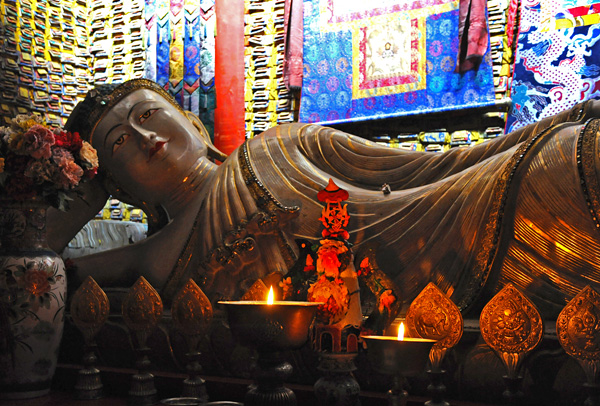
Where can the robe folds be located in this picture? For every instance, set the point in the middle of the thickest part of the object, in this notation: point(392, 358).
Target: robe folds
point(514, 209)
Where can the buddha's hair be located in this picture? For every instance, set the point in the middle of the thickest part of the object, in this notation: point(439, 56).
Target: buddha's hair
point(98, 101)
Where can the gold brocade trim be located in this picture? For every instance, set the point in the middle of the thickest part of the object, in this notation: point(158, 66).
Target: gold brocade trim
point(267, 202)
point(489, 243)
point(237, 241)
point(264, 199)
point(578, 111)
point(183, 260)
point(586, 150)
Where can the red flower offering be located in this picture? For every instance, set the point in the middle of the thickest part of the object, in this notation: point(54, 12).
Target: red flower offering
point(38, 162)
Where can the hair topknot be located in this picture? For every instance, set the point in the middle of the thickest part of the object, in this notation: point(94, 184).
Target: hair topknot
point(79, 119)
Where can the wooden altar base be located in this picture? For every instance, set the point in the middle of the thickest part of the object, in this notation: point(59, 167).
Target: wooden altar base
point(116, 384)
point(474, 372)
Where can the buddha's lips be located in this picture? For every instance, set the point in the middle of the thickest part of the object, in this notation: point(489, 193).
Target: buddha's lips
point(157, 147)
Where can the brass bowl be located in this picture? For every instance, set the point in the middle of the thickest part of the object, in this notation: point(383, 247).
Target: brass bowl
point(391, 356)
point(280, 326)
point(187, 401)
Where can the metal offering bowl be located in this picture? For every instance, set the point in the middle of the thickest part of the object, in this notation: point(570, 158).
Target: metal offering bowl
point(271, 327)
point(391, 356)
point(185, 401)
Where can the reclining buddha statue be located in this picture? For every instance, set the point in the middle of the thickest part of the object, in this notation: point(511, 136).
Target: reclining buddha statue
point(522, 208)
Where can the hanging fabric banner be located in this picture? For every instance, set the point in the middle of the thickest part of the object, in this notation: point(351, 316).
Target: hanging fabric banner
point(151, 39)
point(163, 46)
point(397, 57)
point(176, 52)
point(191, 55)
point(557, 64)
point(206, 93)
point(207, 28)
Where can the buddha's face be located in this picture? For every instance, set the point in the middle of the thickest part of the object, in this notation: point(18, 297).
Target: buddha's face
point(147, 145)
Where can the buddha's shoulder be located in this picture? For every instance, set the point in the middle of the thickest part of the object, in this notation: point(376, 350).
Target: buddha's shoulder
point(299, 130)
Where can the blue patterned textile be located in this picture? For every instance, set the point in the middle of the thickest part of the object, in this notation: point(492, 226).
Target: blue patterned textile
point(557, 64)
point(364, 61)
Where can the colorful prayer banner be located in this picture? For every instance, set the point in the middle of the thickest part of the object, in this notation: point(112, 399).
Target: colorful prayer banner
point(365, 60)
point(578, 16)
point(180, 50)
point(554, 68)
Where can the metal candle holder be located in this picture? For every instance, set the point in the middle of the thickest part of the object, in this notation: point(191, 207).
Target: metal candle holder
point(399, 358)
point(512, 326)
point(271, 328)
point(578, 330)
point(142, 309)
point(89, 310)
point(433, 315)
point(192, 313)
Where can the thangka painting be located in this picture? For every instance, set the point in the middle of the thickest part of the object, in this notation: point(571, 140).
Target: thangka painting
point(557, 59)
point(369, 60)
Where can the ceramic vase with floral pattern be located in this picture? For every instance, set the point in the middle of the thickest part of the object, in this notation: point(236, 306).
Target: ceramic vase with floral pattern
point(33, 290)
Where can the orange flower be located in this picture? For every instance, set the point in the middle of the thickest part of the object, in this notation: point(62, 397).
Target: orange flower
point(36, 281)
point(335, 298)
point(364, 268)
point(328, 261)
point(385, 300)
point(310, 264)
point(286, 285)
point(339, 246)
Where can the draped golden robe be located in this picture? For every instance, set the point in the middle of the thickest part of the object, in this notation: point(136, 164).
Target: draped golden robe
point(520, 208)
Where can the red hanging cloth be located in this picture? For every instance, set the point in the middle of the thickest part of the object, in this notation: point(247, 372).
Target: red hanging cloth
point(293, 32)
point(472, 34)
point(229, 75)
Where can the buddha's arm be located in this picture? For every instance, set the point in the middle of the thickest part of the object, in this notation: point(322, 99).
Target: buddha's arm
point(116, 267)
point(153, 257)
point(63, 226)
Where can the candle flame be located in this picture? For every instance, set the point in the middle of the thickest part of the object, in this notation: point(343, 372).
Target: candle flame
point(270, 296)
point(401, 332)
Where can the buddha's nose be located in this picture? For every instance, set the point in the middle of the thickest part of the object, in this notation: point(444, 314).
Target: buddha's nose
point(148, 138)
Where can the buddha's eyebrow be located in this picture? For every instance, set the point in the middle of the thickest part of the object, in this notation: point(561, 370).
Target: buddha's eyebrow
point(108, 133)
point(118, 124)
point(133, 107)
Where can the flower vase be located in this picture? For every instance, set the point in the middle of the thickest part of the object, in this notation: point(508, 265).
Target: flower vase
point(33, 290)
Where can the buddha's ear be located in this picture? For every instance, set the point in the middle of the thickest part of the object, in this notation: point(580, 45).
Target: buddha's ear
point(213, 152)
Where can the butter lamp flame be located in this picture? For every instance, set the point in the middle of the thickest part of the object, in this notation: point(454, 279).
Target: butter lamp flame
point(270, 296)
point(270, 327)
point(398, 356)
point(401, 332)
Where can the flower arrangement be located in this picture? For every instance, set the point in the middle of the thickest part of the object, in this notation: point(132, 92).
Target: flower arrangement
point(320, 280)
point(37, 162)
point(322, 283)
point(317, 275)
